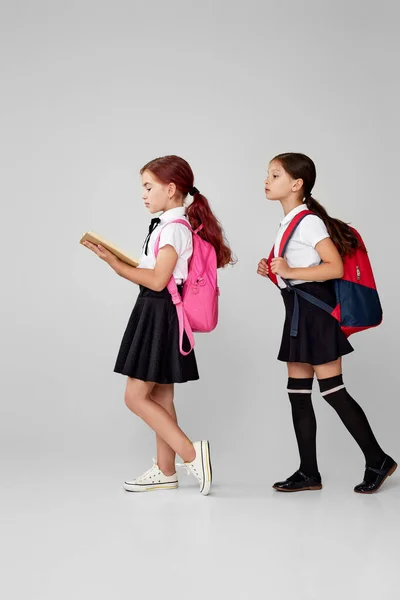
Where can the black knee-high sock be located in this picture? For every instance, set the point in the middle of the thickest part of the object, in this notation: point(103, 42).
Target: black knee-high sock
point(353, 417)
point(305, 424)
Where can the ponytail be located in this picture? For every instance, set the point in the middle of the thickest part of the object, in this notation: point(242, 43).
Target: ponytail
point(300, 166)
point(175, 169)
point(341, 234)
point(200, 213)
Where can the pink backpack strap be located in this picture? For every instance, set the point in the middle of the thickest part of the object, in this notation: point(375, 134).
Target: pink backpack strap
point(182, 222)
point(183, 321)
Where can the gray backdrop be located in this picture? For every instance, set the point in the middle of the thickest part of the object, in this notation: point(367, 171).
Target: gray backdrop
point(91, 90)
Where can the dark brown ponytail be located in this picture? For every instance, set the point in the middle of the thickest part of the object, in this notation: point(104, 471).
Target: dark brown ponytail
point(300, 166)
point(341, 234)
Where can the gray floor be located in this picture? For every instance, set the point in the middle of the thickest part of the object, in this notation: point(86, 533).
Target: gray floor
point(71, 532)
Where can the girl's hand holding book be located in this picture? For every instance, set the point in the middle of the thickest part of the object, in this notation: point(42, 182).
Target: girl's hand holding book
point(104, 254)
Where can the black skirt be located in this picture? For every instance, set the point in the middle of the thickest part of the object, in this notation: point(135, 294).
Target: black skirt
point(320, 339)
point(150, 346)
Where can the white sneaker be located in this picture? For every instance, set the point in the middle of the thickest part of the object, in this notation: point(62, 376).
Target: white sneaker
point(153, 479)
point(200, 467)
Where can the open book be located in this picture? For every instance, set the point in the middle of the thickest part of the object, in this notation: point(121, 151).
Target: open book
point(90, 236)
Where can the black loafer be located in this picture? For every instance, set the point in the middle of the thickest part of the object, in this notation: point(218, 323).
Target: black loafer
point(298, 482)
point(374, 478)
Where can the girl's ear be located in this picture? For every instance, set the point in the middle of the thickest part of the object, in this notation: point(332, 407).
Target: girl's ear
point(297, 185)
point(171, 190)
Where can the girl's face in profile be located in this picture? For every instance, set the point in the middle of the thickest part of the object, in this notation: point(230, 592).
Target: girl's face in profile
point(154, 193)
point(157, 196)
point(279, 184)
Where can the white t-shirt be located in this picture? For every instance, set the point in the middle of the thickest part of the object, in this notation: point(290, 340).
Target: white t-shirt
point(176, 235)
point(300, 251)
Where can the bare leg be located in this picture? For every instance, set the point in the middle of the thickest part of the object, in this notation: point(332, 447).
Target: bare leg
point(164, 396)
point(138, 400)
point(300, 370)
point(330, 369)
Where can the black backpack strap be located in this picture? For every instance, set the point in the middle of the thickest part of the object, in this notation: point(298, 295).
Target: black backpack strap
point(294, 326)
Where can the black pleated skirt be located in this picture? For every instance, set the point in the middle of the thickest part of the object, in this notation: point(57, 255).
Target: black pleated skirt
point(149, 349)
point(320, 339)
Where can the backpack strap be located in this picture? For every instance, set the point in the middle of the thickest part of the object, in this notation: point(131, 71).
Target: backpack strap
point(294, 327)
point(289, 231)
point(183, 321)
point(271, 275)
point(182, 222)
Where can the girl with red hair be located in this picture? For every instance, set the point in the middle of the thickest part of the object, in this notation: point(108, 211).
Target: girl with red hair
point(149, 354)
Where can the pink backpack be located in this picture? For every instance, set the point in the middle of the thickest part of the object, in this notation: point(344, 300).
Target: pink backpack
point(197, 309)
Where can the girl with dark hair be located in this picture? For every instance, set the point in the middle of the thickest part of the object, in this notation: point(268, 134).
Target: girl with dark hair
point(313, 259)
point(149, 354)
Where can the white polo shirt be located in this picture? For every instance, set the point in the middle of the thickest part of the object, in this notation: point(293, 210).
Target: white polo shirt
point(300, 251)
point(176, 235)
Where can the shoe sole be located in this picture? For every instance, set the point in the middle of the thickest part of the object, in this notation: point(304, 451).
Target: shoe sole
point(150, 488)
point(304, 489)
point(207, 468)
point(389, 474)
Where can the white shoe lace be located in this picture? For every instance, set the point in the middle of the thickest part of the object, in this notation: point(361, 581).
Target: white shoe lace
point(148, 473)
point(190, 470)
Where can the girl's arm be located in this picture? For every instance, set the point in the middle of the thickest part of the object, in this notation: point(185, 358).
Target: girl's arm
point(330, 268)
point(155, 279)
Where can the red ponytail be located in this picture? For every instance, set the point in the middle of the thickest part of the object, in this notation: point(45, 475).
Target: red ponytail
point(199, 212)
point(173, 169)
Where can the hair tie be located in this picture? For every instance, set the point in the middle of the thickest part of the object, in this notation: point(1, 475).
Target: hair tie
point(193, 190)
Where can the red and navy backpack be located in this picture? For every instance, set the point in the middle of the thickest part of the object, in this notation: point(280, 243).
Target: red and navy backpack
point(357, 302)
